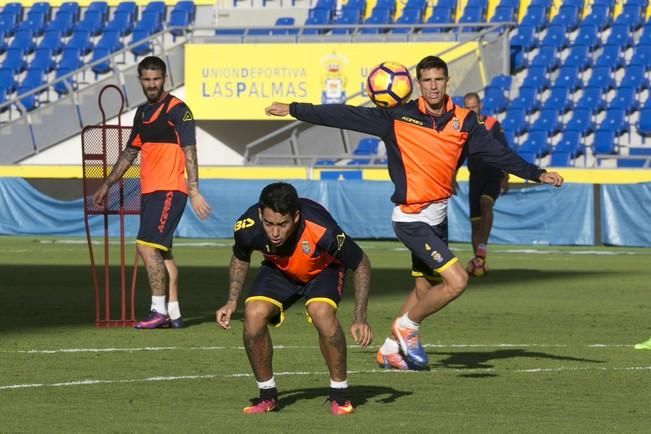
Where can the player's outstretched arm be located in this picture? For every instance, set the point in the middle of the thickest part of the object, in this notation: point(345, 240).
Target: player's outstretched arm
point(199, 204)
point(551, 178)
point(237, 272)
point(277, 109)
point(126, 158)
point(360, 330)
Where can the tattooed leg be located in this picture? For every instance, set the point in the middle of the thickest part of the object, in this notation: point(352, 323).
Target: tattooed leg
point(257, 340)
point(331, 338)
point(156, 271)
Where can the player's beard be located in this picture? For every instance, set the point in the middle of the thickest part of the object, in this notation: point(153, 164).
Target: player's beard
point(153, 94)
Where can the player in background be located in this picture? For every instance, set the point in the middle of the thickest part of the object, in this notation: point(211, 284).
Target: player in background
point(646, 345)
point(485, 184)
point(164, 132)
point(305, 256)
point(425, 139)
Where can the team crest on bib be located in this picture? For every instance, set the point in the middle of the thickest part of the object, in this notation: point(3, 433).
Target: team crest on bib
point(455, 124)
point(305, 246)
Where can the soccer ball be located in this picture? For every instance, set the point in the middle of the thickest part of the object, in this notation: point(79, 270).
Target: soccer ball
point(477, 267)
point(388, 84)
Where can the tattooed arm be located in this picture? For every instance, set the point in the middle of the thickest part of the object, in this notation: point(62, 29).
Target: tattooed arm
point(237, 272)
point(360, 329)
point(126, 158)
point(199, 204)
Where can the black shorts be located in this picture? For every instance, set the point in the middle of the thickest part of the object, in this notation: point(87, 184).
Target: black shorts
point(428, 246)
point(485, 182)
point(160, 213)
point(272, 286)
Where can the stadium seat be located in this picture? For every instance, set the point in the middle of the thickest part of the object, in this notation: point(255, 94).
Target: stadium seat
point(526, 100)
point(24, 41)
point(440, 15)
point(560, 159)
point(367, 146)
point(43, 59)
point(641, 55)
point(52, 40)
point(570, 142)
point(601, 77)
point(610, 57)
point(581, 121)
point(503, 14)
point(72, 7)
point(645, 36)
point(494, 100)
point(501, 81)
point(535, 17)
point(529, 157)
point(60, 86)
point(635, 77)
point(620, 35)
point(537, 142)
point(64, 22)
point(71, 59)
point(380, 15)
point(587, 35)
point(545, 58)
point(15, 60)
point(408, 16)
point(350, 18)
point(156, 8)
point(604, 142)
point(625, 98)
point(555, 36)
point(35, 22)
point(324, 162)
point(522, 42)
point(282, 21)
point(514, 120)
point(536, 77)
point(122, 22)
point(317, 17)
point(567, 16)
point(579, 56)
point(80, 40)
point(93, 22)
point(547, 121)
point(599, 16)
point(130, 8)
point(7, 81)
point(509, 135)
point(139, 45)
point(104, 66)
point(615, 120)
point(110, 40)
point(471, 14)
point(558, 100)
point(631, 16)
point(591, 99)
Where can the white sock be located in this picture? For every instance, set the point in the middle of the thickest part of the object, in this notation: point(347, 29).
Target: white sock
point(338, 384)
point(158, 304)
point(389, 347)
point(173, 309)
point(405, 322)
point(269, 384)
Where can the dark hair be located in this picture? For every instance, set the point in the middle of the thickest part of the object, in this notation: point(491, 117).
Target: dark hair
point(431, 62)
point(281, 197)
point(153, 63)
point(472, 95)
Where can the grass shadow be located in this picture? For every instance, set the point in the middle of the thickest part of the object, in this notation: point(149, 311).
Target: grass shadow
point(359, 395)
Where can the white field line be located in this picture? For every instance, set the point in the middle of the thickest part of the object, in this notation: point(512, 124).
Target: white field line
point(288, 347)
point(320, 373)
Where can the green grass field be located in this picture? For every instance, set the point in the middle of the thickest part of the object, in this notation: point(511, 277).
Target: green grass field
point(541, 344)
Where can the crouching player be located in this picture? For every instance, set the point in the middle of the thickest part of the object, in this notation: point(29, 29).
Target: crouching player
point(305, 256)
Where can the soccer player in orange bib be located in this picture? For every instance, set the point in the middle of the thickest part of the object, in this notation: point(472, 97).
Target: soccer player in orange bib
point(305, 256)
point(425, 140)
point(164, 133)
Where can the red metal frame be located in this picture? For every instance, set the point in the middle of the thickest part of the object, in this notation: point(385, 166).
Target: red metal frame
point(91, 159)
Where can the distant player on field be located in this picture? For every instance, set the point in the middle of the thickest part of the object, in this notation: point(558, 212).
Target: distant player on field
point(425, 139)
point(486, 183)
point(305, 255)
point(646, 345)
point(164, 133)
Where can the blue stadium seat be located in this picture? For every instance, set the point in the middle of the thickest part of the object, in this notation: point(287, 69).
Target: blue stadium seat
point(620, 35)
point(509, 135)
point(599, 16)
point(92, 22)
point(15, 60)
point(635, 77)
point(71, 59)
point(324, 162)
point(387, 4)
point(150, 21)
point(122, 22)
point(282, 21)
point(414, 4)
point(64, 22)
point(367, 146)
point(440, 15)
point(558, 99)
point(156, 8)
point(604, 142)
point(579, 56)
point(80, 40)
point(529, 157)
point(237, 32)
point(104, 66)
point(560, 159)
point(591, 99)
point(494, 100)
point(547, 121)
point(536, 77)
point(625, 98)
point(7, 80)
point(610, 57)
point(110, 40)
point(351, 18)
point(8, 23)
point(471, 14)
point(317, 17)
point(601, 77)
point(43, 59)
point(645, 36)
point(186, 5)
point(522, 42)
point(545, 58)
point(641, 55)
point(503, 14)
point(631, 16)
point(408, 16)
point(570, 142)
point(41, 8)
point(501, 81)
point(35, 22)
point(556, 36)
point(537, 142)
point(567, 16)
point(130, 8)
point(580, 121)
point(515, 120)
point(23, 40)
point(536, 17)
point(643, 123)
point(59, 86)
point(588, 35)
point(526, 100)
point(138, 44)
point(3, 43)
point(72, 7)
point(380, 15)
point(615, 120)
